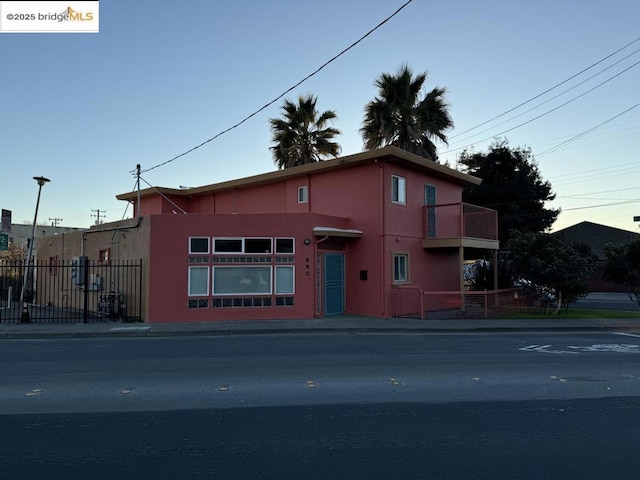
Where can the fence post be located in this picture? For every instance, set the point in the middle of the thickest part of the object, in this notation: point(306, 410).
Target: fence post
point(85, 310)
point(485, 305)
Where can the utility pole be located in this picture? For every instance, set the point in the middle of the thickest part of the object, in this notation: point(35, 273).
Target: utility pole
point(97, 215)
point(138, 214)
point(55, 221)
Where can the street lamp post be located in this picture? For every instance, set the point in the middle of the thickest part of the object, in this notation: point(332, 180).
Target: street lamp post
point(25, 309)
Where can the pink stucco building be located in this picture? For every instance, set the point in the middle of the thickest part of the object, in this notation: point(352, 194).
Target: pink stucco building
point(334, 237)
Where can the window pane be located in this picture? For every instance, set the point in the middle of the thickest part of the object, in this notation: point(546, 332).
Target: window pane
point(284, 279)
point(198, 280)
point(398, 189)
point(241, 280)
point(284, 245)
point(400, 268)
point(199, 245)
point(303, 194)
point(228, 245)
point(257, 245)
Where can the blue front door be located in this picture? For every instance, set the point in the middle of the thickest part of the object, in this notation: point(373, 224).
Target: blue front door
point(333, 283)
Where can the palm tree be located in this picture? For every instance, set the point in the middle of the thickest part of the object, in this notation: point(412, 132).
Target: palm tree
point(399, 117)
point(302, 135)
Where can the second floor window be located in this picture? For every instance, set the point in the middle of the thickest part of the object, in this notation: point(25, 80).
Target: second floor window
point(398, 189)
point(303, 194)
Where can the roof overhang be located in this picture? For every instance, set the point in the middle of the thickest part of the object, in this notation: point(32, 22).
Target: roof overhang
point(385, 154)
point(336, 232)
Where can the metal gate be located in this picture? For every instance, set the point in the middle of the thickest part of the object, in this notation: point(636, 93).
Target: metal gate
point(71, 291)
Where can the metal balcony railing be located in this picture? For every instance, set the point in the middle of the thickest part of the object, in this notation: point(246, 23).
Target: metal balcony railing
point(460, 220)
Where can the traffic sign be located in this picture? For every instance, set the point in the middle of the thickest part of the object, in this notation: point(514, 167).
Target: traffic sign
point(4, 241)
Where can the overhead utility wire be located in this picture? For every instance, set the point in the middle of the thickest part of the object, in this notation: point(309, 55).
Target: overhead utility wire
point(553, 149)
point(545, 113)
point(550, 99)
point(163, 196)
point(124, 214)
point(286, 91)
point(546, 91)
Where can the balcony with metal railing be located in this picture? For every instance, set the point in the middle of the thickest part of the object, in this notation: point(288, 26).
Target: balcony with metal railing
point(460, 225)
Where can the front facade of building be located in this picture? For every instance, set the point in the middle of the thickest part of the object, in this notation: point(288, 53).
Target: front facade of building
point(335, 237)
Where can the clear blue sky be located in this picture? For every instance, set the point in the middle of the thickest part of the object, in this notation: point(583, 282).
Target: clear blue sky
point(161, 77)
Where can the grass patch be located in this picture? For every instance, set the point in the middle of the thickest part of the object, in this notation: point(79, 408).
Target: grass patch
point(576, 313)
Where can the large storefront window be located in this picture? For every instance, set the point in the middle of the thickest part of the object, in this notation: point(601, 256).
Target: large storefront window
point(240, 272)
point(241, 280)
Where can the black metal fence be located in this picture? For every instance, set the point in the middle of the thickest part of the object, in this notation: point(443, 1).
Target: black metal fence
point(73, 291)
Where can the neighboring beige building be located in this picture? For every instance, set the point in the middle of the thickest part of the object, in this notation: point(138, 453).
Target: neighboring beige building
point(21, 233)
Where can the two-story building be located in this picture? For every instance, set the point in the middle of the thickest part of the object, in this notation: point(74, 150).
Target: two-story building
point(333, 237)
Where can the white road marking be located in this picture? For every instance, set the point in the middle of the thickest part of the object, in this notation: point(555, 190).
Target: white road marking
point(627, 334)
point(544, 349)
point(607, 347)
point(614, 347)
point(124, 329)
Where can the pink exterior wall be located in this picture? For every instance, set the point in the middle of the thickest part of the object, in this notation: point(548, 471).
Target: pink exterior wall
point(354, 197)
point(169, 262)
point(430, 270)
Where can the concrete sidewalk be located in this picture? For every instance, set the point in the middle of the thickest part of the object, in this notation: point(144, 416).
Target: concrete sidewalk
point(338, 324)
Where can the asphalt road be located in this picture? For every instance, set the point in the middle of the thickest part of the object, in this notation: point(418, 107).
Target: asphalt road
point(504, 406)
point(608, 301)
point(551, 439)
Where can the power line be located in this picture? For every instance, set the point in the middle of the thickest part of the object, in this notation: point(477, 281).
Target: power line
point(163, 196)
point(552, 149)
point(546, 91)
point(601, 205)
point(596, 170)
point(554, 97)
point(285, 92)
point(547, 112)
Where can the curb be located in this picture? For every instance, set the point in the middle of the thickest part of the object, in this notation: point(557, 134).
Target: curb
point(307, 331)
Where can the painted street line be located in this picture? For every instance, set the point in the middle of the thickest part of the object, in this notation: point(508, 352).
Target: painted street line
point(125, 329)
point(544, 349)
point(608, 347)
point(627, 334)
point(616, 347)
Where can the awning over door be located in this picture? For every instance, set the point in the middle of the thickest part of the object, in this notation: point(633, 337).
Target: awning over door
point(336, 232)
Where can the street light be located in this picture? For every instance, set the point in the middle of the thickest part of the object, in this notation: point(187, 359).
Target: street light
point(25, 310)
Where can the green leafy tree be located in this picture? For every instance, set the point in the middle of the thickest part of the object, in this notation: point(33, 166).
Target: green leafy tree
point(14, 254)
point(401, 117)
point(622, 266)
point(512, 185)
point(552, 265)
point(303, 136)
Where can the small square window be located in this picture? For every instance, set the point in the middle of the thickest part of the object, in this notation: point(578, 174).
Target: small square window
point(284, 245)
point(199, 245)
point(398, 189)
point(228, 245)
point(303, 194)
point(400, 268)
point(257, 245)
point(104, 255)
